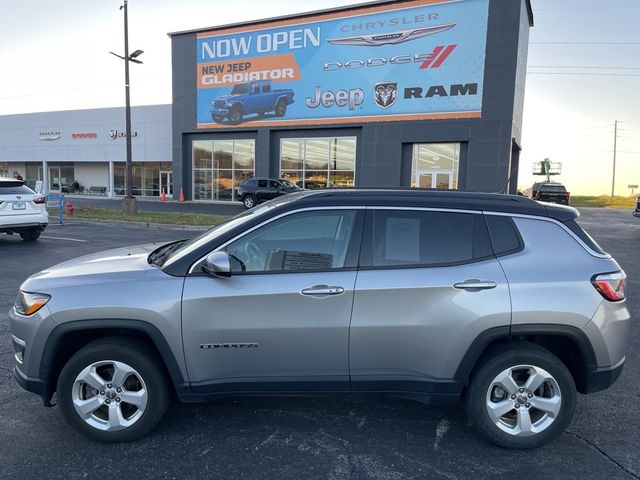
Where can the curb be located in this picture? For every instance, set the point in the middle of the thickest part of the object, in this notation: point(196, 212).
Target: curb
point(157, 226)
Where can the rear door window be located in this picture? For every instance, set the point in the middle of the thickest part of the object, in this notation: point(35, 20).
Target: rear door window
point(424, 238)
point(504, 235)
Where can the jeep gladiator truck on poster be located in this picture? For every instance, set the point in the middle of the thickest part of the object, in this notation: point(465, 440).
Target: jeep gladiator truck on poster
point(248, 98)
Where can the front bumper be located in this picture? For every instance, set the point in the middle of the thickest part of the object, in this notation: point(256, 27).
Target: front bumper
point(219, 112)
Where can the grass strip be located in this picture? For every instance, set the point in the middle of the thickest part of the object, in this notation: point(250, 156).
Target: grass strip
point(168, 218)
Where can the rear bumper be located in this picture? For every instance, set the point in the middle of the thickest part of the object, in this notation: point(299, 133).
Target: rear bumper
point(22, 227)
point(602, 378)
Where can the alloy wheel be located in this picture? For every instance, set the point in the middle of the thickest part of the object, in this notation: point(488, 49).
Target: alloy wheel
point(523, 400)
point(109, 395)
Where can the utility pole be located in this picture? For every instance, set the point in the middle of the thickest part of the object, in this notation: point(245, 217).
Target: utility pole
point(615, 140)
point(130, 204)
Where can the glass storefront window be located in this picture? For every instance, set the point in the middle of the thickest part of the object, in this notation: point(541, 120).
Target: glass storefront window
point(146, 178)
point(435, 165)
point(4, 170)
point(219, 166)
point(319, 162)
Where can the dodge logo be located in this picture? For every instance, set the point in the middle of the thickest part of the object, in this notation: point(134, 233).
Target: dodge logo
point(385, 94)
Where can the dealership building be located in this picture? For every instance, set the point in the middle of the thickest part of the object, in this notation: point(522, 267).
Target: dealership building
point(83, 151)
point(421, 93)
point(412, 93)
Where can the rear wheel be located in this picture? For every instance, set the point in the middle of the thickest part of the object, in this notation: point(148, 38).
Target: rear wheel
point(281, 108)
point(112, 390)
point(30, 235)
point(521, 397)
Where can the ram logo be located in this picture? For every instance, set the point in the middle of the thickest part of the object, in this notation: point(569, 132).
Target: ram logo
point(393, 38)
point(385, 94)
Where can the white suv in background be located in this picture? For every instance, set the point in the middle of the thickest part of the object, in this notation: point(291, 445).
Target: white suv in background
point(22, 210)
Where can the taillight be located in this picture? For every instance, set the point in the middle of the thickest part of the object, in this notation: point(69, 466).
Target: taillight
point(40, 200)
point(610, 285)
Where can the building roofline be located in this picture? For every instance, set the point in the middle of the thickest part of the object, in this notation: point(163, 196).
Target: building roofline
point(529, 12)
point(343, 8)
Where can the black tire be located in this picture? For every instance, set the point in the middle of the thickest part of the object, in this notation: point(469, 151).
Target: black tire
point(30, 235)
point(281, 108)
point(495, 362)
point(218, 118)
point(249, 201)
point(138, 356)
point(235, 115)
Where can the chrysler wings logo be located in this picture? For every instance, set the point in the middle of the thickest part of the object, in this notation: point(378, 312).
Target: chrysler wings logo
point(385, 94)
point(392, 38)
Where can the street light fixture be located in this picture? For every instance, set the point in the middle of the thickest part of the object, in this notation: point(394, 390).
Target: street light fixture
point(129, 205)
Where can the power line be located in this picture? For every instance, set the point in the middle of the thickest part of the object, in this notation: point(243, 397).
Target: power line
point(587, 74)
point(576, 66)
point(584, 43)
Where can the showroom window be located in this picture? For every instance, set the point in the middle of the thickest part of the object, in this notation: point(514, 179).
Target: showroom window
point(219, 166)
point(4, 170)
point(148, 180)
point(319, 162)
point(435, 165)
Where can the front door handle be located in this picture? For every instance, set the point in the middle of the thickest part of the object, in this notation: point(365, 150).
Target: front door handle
point(475, 285)
point(322, 290)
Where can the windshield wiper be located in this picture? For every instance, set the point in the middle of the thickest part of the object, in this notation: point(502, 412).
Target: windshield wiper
point(158, 257)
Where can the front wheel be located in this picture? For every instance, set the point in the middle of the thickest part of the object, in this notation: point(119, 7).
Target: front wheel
point(249, 201)
point(235, 115)
point(521, 397)
point(30, 235)
point(112, 390)
point(218, 118)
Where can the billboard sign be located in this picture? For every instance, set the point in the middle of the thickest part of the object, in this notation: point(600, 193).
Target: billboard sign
point(421, 59)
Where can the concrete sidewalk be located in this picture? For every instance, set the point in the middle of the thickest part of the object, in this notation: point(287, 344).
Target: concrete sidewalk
point(157, 205)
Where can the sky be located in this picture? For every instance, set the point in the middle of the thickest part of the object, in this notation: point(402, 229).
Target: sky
point(583, 70)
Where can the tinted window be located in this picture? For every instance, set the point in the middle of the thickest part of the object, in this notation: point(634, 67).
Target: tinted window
point(274, 184)
point(584, 236)
point(504, 234)
point(14, 188)
point(553, 188)
point(309, 241)
point(427, 238)
point(255, 89)
point(266, 88)
point(262, 183)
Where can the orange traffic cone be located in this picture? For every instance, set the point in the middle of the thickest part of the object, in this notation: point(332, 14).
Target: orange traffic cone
point(163, 197)
point(181, 195)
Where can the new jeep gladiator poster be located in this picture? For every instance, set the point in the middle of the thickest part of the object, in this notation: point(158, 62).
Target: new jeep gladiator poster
point(417, 60)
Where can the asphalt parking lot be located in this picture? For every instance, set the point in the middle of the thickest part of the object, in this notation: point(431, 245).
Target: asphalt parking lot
point(302, 438)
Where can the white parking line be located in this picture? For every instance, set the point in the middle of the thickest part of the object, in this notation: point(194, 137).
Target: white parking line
point(62, 238)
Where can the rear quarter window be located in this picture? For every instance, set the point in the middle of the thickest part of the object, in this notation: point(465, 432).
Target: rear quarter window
point(584, 236)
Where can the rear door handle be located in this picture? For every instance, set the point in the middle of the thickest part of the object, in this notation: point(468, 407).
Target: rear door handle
point(475, 285)
point(322, 290)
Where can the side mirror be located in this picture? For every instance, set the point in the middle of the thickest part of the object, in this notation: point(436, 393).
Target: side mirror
point(217, 264)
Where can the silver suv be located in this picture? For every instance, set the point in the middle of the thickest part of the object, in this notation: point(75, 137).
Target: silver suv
point(430, 295)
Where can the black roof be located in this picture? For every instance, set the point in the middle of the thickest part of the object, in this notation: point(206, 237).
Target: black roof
point(453, 199)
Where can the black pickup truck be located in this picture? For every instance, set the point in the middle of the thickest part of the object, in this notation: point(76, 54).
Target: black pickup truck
point(550, 192)
point(636, 212)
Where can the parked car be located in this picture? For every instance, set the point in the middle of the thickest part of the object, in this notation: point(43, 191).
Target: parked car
point(550, 192)
point(636, 212)
point(22, 210)
point(252, 97)
point(423, 294)
point(255, 190)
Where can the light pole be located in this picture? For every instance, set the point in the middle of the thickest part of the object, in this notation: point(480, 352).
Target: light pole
point(129, 205)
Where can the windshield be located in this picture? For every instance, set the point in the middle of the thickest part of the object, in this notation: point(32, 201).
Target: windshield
point(240, 89)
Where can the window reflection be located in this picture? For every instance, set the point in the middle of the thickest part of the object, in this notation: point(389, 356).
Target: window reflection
point(435, 165)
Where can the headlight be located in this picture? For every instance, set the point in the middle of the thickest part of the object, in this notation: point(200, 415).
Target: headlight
point(29, 303)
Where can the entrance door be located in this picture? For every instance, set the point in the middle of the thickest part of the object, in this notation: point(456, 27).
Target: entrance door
point(434, 179)
point(54, 179)
point(165, 183)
